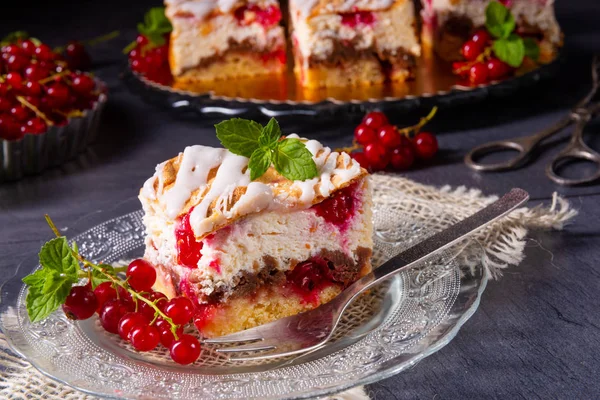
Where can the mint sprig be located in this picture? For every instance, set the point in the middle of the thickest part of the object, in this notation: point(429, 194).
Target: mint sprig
point(155, 26)
point(264, 147)
point(508, 46)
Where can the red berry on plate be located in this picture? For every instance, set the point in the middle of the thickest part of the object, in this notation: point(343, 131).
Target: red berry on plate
point(141, 275)
point(481, 37)
point(403, 157)
point(471, 50)
point(186, 350)
point(104, 292)
point(144, 337)
point(148, 311)
point(44, 52)
point(166, 334)
point(375, 120)
point(80, 303)
point(111, 313)
point(130, 321)
point(377, 156)
point(389, 136)
point(361, 159)
point(180, 310)
point(364, 135)
point(497, 69)
point(20, 113)
point(426, 145)
point(15, 80)
point(478, 74)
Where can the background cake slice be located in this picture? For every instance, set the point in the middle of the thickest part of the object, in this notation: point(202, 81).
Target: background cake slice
point(447, 24)
point(224, 39)
point(249, 252)
point(353, 42)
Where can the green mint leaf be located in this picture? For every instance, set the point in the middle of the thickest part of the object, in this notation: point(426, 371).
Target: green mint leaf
point(56, 255)
point(37, 278)
point(54, 279)
point(498, 20)
point(270, 134)
point(259, 162)
point(98, 278)
point(510, 50)
point(532, 49)
point(13, 37)
point(40, 304)
point(155, 26)
point(292, 159)
point(240, 136)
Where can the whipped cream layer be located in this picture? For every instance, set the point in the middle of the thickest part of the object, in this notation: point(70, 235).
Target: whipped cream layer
point(393, 29)
point(535, 13)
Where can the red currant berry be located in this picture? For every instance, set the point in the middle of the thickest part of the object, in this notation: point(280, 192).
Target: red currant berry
point(403, 157)
point(58, 93)
point(426, 145)
point(34, 72)
point(9, 128)
point(12, 49)
point(471, 50)
point(377, 156)
point(130, 321)
point(497, 69)
point(83, 84)
point(364, 135)
point(166, 335)
point(375, 120)
point(389, 136)
point(111, 313)
point(31, 88)
point(80, 303)
point(16, 63)
point(481, 37)
point(135, 53)
point(104, 292)
point(4, 88)
point(28, 47)
point(186, 350)
point(5, 105)
point(144, 338)
point(361, 159)
point(461, 68)
point(141, 40)
point(77, 56)
point(138, 65)
point(15, 80)
point(148, 311)
point(478, 74)
point(20, 113)
point(180, 310)
point(141, 275)
point(44, 52)
point(35, 126)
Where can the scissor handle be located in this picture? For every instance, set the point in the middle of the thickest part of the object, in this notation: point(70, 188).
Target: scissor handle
point(575, 150)
point(523, 146)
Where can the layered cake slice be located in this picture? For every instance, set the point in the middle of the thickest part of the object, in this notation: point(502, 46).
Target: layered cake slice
point(447, 24)
point(224, 39)
point(249, 252)
point(353, 42)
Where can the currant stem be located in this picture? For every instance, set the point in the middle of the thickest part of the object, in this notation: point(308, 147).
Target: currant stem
point(37, 112)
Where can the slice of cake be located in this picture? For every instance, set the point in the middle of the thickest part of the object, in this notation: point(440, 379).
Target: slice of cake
point(353, 42)
point(249, 252)
point(447, 24)
point(219, 39)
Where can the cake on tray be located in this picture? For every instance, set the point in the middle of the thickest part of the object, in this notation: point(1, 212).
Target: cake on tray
point(249, 252)
point(225, 39)
point(353, 42)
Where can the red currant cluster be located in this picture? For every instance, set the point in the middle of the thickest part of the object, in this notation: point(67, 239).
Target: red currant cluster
point(38, 88)
point(385, 144)
point(151, 61)
point(138, 314)
point(480, 66)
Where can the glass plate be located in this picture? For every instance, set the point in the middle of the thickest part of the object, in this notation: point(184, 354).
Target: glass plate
point(434, 85)
point(385, 331)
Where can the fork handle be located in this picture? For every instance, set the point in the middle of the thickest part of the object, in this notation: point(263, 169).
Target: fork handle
point(436, 243)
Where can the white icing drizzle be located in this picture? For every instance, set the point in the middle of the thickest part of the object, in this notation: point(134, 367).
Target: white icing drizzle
point(201, 8)
point(306, 6)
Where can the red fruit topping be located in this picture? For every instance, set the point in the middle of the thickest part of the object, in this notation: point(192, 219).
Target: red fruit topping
point(189, 251)
point(481, 37)
point(426, 145)
point(82, 84)
point(497, 69)
point(32, 88)
point(44, 52)
point(338, 209)
point(389, 136)
point(365, 135)
point(204, 314)
point(141, 275)
point(180, 310)
point(20, 113)
point(35, 72)
point(144, 337)
point(111, 313)
point(377, 156)
point(310, 275)
point(80, 303)
point(186, 350)
point(166, 335)
point(267, 17)
point(478, 74)
point(358, 18)
point(130, 321)
point(403, 158)
point(375, 120)
point(361, 159)
point(148, 311)
point(34, 126)
point(471, 50)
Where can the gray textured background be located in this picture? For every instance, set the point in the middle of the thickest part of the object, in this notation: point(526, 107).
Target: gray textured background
point(537, 332)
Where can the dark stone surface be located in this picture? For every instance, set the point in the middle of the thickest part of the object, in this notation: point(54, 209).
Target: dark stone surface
point(537, 333)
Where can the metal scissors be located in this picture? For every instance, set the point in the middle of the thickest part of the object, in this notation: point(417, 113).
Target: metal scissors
point(580, 115)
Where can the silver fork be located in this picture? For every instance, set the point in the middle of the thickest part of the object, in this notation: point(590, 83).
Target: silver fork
point(310, 330)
